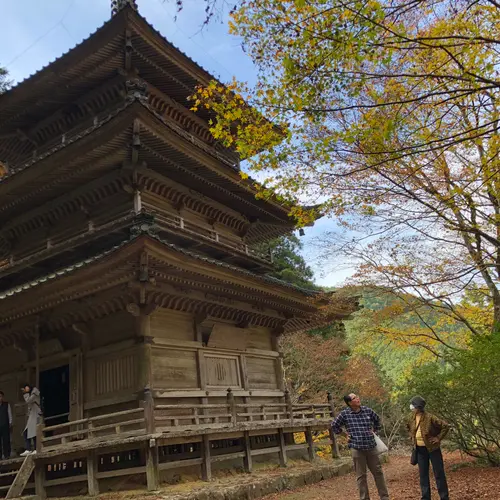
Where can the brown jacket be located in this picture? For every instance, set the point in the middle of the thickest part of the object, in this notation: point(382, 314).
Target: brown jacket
point(430, 426)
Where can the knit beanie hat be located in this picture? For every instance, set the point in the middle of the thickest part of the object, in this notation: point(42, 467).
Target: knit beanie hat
point(418, 402)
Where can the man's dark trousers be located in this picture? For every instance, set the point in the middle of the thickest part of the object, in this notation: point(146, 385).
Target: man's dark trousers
point(436, 458)
point(5, 441)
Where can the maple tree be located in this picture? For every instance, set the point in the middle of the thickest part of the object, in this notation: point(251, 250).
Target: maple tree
point(386, 113)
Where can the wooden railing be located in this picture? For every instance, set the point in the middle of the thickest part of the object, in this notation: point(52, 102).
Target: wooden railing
point(136, 441)
point(113, 425)
point(179, 223)
point(173, 419)
point(193, 417)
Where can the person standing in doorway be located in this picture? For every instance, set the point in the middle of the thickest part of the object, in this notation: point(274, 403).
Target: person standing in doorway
point(5, 427)
point(32, 398)
point(427, 431)
point(361, 423)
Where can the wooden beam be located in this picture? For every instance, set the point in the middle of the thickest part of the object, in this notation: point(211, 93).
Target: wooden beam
point(54, 204)
point(21, 480)
point(37, 356)
point(152, 462)
point(40, 490)
point(247, 461)
point(206, 466)
point(85, 333)
point(128, 48)
point(282, 454)
point(333, 437)
point(310, 444)
point(92, 472)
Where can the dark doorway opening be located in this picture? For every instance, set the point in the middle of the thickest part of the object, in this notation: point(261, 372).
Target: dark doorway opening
point(54, 390)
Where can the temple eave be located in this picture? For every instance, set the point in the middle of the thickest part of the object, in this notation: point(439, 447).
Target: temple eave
point(178, 280)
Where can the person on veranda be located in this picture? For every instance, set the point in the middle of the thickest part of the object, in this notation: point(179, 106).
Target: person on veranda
point(31, 396)
point(5, 427)
point(427, 431)
point(361, 423)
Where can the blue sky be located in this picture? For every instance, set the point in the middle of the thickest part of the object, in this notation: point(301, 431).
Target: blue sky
point(35, 32)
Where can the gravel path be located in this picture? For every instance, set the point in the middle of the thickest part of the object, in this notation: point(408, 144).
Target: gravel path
point(466, 482)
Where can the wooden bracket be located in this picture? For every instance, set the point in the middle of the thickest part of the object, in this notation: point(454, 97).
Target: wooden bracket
point(245, 230)
point(84, 331)
point(81, 328)
point(179, 205)
point(24, 345)
point(128, 50)
point(137, 310)
point(134, 309)
point(136, 142)
point(149, 309)
point(198, 320)
point(280, 330)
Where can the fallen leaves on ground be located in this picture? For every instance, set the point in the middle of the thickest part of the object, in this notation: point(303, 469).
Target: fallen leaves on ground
point(466, 482)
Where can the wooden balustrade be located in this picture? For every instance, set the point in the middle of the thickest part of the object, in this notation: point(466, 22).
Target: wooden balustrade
point(171, 419)
point(150, 427)
point(175, 221)
point(181, 417)
point(113, 425)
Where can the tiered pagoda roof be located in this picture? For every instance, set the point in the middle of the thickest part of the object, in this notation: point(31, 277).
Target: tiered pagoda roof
point(107, 120)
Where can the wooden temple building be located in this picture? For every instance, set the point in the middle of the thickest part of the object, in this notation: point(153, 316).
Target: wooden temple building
point(131, 293)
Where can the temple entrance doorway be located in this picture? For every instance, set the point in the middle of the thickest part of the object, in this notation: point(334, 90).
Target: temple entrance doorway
point(54, 390)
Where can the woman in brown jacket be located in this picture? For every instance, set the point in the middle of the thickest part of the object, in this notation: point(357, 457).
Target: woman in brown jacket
point(427, 432)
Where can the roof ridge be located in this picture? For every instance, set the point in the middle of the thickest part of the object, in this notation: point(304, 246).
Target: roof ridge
point(126, 11)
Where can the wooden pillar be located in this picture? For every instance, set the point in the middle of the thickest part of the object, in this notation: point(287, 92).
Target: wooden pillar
point(232, 406)
point(37, 356)
point(206, 466)
point(282, 446)
point(149, 411)
point(310, 444)
point(40, 491)
point(278, 364)
point(39, 437)
point(92, 481)
point(333, 437)
point(248, 452)
point(152, 472)
point(289, 406)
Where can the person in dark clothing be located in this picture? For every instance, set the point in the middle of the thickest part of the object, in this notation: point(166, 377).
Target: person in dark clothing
point(5, 427)
point(361, 423)
point(427, 431)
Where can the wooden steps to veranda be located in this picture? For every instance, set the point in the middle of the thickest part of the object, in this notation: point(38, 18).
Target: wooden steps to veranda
point(14, 475)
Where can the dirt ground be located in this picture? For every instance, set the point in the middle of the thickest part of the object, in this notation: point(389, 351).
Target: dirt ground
point(466, 482)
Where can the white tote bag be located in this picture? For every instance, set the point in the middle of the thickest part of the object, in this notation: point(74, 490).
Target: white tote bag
point(381, 447)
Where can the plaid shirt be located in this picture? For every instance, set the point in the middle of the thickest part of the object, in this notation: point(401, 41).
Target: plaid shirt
point(359, 425)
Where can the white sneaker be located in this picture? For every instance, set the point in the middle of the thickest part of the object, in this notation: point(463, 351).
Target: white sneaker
point(25, 453)
point(33, 452)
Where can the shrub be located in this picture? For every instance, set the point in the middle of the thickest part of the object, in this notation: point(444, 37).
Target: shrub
point(465, 391)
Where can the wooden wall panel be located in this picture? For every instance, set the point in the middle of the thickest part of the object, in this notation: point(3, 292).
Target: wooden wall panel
point(174, 369)
point(112, 374)
point(261, 373)
point(228, 336)
point(115, 375)
point(222, 371)
point(259, 338)
point(112, 329)
point(172, 325)
point(11, 359)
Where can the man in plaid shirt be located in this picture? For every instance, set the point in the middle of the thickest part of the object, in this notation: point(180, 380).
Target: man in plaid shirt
point(361, 423)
